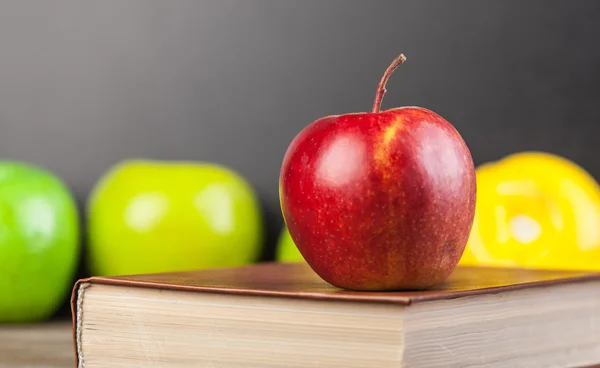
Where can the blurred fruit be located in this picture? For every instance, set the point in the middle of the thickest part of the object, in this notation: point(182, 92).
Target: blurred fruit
point(535, 210)
point(39, 242)
point(286, 250)
point(156, 216)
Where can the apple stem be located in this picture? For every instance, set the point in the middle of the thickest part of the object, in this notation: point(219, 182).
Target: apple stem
point(381, 87)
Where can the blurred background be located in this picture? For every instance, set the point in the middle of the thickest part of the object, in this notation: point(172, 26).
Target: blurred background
point(87, 85)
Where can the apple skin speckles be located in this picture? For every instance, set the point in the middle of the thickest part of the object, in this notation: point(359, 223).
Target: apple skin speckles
point(382, 200)
point(379, 201)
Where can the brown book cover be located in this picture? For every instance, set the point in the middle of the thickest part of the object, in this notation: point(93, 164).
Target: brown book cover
point(297, 280)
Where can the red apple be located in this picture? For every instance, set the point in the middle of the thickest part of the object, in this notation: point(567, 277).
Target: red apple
point(380, 200)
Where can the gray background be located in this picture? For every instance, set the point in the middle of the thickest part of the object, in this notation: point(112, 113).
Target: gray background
point(86, 84)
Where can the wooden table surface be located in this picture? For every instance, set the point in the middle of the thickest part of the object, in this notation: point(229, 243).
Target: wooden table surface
point(44, 345)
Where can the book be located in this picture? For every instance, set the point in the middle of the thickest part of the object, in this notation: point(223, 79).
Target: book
point(283, 315)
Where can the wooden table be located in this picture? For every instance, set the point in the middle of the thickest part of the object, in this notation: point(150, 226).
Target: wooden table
point(43, 345)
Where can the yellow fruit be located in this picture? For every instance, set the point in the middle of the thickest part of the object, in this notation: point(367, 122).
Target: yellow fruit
point(535, 210)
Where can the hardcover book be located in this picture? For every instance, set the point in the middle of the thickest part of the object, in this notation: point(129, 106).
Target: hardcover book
point(284, 315)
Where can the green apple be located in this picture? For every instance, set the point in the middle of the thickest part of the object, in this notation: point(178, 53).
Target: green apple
point(39, 242)
point(149, 216)
point(286, 250)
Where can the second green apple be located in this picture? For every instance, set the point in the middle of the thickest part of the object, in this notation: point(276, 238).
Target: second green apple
point(286, 250)
point(161, 216)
